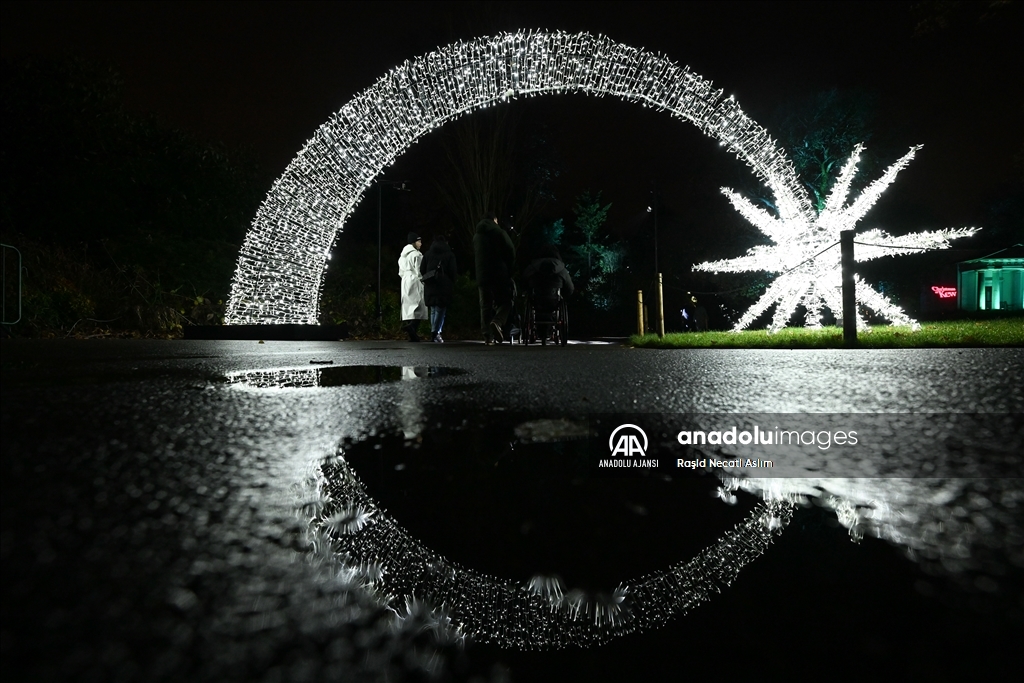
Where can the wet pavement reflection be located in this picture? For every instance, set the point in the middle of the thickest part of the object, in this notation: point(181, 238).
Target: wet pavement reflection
point(391, 512)
point(595, 557)
point(335, 376)
point(506, 523)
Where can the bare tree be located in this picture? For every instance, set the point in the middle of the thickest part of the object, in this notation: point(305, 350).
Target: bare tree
point(488, 168)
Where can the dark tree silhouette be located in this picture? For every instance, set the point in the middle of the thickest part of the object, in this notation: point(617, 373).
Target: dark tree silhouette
point(123, 218)
point(819, 134)
point(494, 161)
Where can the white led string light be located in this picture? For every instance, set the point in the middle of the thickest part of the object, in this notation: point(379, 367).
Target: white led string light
point(805, 251)
point(281, 264)
point(368, 546)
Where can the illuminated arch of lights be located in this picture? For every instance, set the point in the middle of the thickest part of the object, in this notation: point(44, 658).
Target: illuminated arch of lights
point(282, 260)
point(355, 538)
point(356, 542)
point(369, 548)
point(280, 268)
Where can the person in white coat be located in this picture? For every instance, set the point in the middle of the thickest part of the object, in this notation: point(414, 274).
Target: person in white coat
point(413, 308)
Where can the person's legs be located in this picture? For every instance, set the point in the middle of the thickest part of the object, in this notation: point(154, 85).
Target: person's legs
point(410, 328)
point(486, 312)
point(436, 322)
point(441, 313)
point(503, 303)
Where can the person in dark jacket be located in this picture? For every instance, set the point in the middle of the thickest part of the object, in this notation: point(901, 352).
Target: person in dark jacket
point(701, 316)
point(439, 272)
point(495, 257)
point(547, 280)
point(546, 276)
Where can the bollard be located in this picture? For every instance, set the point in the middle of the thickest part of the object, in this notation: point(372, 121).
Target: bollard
point(640, 312)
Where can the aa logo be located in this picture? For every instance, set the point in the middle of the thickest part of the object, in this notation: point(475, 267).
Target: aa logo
point(626, 440)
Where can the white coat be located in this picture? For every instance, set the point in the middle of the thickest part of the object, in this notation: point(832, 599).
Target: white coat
point(413, 307)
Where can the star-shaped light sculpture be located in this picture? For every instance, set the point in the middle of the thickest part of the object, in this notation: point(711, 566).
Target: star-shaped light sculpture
point(805, 254)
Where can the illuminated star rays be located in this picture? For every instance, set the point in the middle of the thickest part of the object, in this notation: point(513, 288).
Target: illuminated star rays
point(281, 263)
point(805, 254)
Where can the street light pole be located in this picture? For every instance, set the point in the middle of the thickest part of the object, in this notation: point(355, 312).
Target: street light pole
point(654, 205)
point(380, 311)
point(659, 292)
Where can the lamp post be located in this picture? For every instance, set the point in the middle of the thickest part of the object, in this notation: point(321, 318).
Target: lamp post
point(652, 209)
point(659, 292)
point(399, 185)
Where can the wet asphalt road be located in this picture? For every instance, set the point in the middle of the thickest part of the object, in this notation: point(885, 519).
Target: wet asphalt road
point(150, 522)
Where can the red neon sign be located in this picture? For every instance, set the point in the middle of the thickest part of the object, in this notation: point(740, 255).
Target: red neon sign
point(945, 292)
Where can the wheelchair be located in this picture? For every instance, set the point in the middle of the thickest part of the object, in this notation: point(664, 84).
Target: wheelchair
point(546, 319)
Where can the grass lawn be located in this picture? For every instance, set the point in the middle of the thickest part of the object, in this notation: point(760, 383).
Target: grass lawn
point(961, 333)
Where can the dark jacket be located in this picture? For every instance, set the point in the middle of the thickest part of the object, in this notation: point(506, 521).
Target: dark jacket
point(546, 276)
point(495, 254)
point(440, 289)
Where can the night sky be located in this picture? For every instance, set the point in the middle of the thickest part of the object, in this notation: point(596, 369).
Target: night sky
point(265, 75)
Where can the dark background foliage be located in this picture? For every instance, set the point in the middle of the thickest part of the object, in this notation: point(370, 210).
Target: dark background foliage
point(120, 219)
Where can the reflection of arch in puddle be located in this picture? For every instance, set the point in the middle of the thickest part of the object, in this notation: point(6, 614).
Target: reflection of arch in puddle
point(947, 489)
point(540, 614)
point(967, 528)
point(336, 376)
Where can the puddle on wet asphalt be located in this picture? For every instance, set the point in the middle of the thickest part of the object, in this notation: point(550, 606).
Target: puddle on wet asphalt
point(508, 523)
point(516, 498)
point(337, 376)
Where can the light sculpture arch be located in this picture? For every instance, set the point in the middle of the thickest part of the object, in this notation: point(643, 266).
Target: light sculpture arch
point(371, 548)
point(281, 264)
